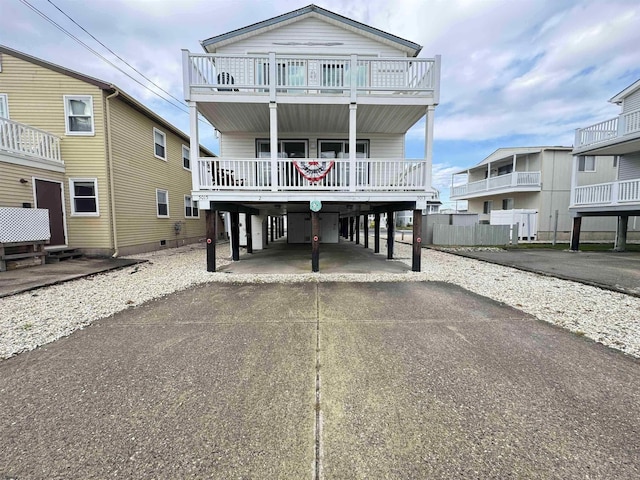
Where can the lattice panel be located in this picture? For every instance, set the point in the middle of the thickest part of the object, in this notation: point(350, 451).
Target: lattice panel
point(24, 224)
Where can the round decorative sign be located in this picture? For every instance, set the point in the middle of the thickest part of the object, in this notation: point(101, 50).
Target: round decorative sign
point(315, 238)
point(315, 205)
point(419, 240)
point(208, 240)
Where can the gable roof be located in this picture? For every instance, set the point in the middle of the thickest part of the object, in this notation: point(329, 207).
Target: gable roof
point(107, 87)
point(210, 44)
point(626, 92)
point(507, 152)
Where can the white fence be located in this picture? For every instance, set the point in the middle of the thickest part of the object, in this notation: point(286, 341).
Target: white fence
point(24, 225)
point(526, 220)
point(471, 235)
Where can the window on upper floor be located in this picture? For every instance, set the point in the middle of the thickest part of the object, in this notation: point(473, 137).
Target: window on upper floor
point(486, 206)
point(78, 111)
point(162, 203)
point(587, 164)
point(159, 144)
point(84, 197)
point(505, 169)
point(186, 158)
point(4, 106)
point(190, 207)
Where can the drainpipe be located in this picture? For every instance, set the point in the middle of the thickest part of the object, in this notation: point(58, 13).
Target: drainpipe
point(114, 230)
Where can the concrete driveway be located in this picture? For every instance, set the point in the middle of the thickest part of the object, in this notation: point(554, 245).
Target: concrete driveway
point(328, 380)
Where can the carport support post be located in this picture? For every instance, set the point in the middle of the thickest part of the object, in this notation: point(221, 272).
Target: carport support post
point(315, 241)
point(357, 229)
point(417, 240)
point(621, 234)
point(235, 236)
point(351, 228)
point(247, 219)
point(575, 233)
point(273, 228)
point(376, 233)
point(365, 227)
point(391, 233)
point(211, 221)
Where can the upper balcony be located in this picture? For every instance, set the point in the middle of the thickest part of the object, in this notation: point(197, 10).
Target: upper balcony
point(617, 136)
point(618, 195)
point(508, 183)
point(29, 143)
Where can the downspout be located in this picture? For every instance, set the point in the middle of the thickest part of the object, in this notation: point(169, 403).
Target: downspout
point(114, 230)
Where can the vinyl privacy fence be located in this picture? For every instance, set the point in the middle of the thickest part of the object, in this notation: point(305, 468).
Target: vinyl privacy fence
point(468, 235)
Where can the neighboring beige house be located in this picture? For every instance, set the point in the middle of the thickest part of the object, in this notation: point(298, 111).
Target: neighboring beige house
point(312, 109)
point(612, 191)
point(115, 177)
point(534, 181)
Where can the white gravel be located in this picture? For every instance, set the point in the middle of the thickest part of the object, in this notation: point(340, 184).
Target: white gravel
point(35, 318)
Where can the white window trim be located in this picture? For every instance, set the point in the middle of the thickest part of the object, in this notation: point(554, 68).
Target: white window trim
point(157, 204)
point(188, 155)
point(66, 115)
point(584, 164)
point(164, 136)
point(4, 99)
point(72, 197)
point(192, 203)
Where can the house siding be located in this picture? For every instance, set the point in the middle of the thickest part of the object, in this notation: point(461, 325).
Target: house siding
point(13, 193)
point(631, 103)
point(35, 97)
point(137, 173)
point(629, 167)
point(311, 30)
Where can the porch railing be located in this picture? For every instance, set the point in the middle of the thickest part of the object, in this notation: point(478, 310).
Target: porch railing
point(255, 174)
point(510, 180)
point(262, 74)
point(611, 193)
point(624, 124)
point(25, 140)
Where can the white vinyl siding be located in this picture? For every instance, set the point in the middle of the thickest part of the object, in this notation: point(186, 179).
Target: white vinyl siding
point(4, 106)
point(186, 158)
point(162, 203)
point(631, 103)
point(160, 144)
point(312, 36)
point(190, 207)
point(629, 167)
point(84, 197)
point(78, 112)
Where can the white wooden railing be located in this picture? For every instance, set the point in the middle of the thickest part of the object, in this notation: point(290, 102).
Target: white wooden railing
point(624, 124)
point(25, 140)
point(264, 74)
point(255, 174)
point(510, 180)
point(611, 193)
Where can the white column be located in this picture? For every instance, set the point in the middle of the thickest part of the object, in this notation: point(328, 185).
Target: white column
point(574, 180)
point(428, 146)
point(352, 146)
point(273, 146)
point(194, 146)
point(514, 175)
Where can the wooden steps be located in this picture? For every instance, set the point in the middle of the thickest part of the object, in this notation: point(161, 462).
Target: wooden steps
point(55, 256)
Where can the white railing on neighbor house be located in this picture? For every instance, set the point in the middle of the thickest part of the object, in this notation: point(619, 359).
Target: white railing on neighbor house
point(612, 193)
point(624, 124)
point(271, 73)
point(254, 174)
point(510, 180)
point(25, 140)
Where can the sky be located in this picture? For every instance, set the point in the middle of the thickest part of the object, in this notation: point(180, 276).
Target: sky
point(514, 72)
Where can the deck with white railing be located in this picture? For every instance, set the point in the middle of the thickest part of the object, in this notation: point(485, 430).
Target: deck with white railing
point(262, 175)
point(24, 140)
point(271, 74)
point(618, 128)
point(512, 181)
point(609, 194)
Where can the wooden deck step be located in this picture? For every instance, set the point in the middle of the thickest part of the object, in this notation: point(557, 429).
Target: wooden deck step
point(60, 255)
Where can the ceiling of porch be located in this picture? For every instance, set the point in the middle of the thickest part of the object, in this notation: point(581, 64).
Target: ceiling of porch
point(292, 118)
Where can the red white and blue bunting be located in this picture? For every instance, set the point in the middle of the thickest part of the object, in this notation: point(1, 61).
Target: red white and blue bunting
point(313, 170)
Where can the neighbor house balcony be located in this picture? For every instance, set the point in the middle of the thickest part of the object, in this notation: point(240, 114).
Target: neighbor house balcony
point(508, 183)
point(616, 136)
point(20, 141)
point(619, 195)
point(289, 178)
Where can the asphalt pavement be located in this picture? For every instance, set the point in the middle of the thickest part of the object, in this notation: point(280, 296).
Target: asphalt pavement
point(320, 380)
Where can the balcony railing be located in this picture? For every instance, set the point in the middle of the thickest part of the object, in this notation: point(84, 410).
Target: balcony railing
point(297, 74)
point(510, 180)
point(25, 140)
point(255, 174)
point(624, 124)
point(612, 193)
